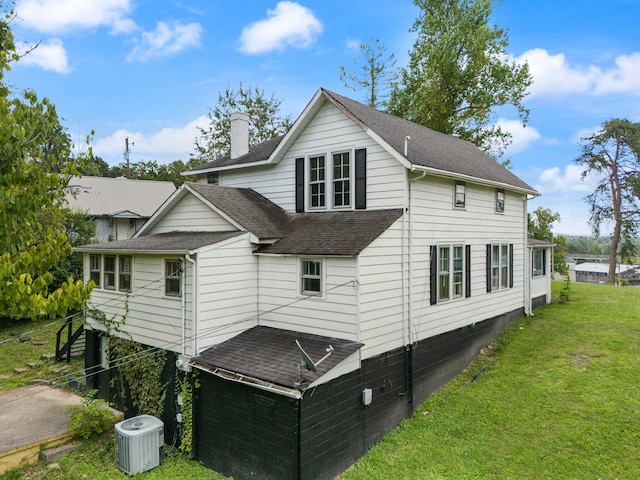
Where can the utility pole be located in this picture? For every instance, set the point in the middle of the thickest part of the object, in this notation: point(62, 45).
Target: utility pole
point(126, 155)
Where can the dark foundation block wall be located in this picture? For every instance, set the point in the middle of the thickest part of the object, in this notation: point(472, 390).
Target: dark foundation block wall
point(248, 433)
point(102, 380)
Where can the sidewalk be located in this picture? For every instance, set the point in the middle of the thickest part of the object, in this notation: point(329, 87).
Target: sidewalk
point(30, 417)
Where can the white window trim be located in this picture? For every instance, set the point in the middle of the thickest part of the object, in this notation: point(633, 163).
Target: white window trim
point(323, 278)
point(533, 263)
point(116, 272)
point(456, 183)
point(329, 179)
point(503, 278)
point(167, 277)
point(451, 272)
point(497, 200)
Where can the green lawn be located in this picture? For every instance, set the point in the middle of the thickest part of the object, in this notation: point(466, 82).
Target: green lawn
point(556, 396)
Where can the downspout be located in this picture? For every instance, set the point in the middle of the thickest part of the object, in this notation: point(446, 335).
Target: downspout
point(527, 262)
point(183, 299)
point(194, 306)
point(410, 291)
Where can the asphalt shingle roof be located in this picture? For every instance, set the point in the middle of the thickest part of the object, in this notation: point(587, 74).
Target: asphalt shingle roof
point(257, 153)
point(255, 213)
point(332, 233)
point(428, 148)
point(163, 242)
point(271, 355)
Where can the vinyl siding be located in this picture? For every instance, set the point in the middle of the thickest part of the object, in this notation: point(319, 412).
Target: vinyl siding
point(145, 315)
point(281, 305)
point(436, 221)
point(382, 324)
point(328, 131)
point(191, 214)
point(227, 291)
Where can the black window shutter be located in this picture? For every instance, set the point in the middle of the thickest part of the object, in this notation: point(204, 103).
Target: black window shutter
point(488, 267)
point(299, 185)
point(361, 179)
point(433, 274)
point(511, 265)
point(544, 262)
point(467, 272)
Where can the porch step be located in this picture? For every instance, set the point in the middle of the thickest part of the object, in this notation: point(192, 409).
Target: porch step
point(51, 454)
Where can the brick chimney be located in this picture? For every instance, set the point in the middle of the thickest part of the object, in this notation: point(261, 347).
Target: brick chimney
point(239, 134)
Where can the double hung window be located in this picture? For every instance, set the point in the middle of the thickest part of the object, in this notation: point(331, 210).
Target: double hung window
point(459, 200)
point(450, 272)
point(124, 274)
point(499, 266)
point(311, 277)
point(172, 278)
point(110, 272)
point(539, 263)
point(499, 201)
point(329, 181)
point(95, 269)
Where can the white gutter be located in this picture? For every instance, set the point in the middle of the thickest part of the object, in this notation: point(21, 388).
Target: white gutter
point(194, 302)
point(471, 179)
point(251, 381)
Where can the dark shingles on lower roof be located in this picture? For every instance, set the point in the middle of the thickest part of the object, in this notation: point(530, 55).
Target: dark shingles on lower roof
point(252, 211)
point(332, 233)
point(171, 241)
point(271, 355)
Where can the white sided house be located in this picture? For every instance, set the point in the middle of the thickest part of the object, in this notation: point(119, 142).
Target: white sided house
point(118, 206)
point(322, 284)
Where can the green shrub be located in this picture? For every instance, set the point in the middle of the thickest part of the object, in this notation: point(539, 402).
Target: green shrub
point(91, 418)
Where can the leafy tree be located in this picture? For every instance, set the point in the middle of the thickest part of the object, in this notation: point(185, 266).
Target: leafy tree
point(458, 73)
point(613, 155)
point(32, 235)
point(266, 123)
point(377, 75)
point(540, 224)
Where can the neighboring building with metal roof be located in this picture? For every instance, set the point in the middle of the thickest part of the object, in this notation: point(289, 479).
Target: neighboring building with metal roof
point(590, 272)
point(324, 283)
point(119, 206)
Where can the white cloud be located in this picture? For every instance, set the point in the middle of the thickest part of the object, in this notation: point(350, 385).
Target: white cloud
point(554, 76)
point(166, 40)
point(48, 56)
point(568, 180)
point(289, 24)
point(164, 146)
point(521, 137)
point(57, 16)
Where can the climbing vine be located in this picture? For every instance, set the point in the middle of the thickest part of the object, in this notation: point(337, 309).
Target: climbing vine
point(139, 374)
point(139, 368)
point(186, 409)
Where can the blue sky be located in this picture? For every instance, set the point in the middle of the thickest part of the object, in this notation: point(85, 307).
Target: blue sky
point(150, 70)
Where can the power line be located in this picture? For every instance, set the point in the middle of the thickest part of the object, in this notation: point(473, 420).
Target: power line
point(152, 350)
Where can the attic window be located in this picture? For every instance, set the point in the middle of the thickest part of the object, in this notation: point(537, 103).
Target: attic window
point(459, 195)
point(213, 178)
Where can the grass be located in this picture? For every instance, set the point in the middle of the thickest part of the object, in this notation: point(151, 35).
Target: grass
point(556, 396)
point(15, 353)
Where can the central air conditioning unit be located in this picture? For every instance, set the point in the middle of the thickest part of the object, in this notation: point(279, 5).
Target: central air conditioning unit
point(138, 443)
